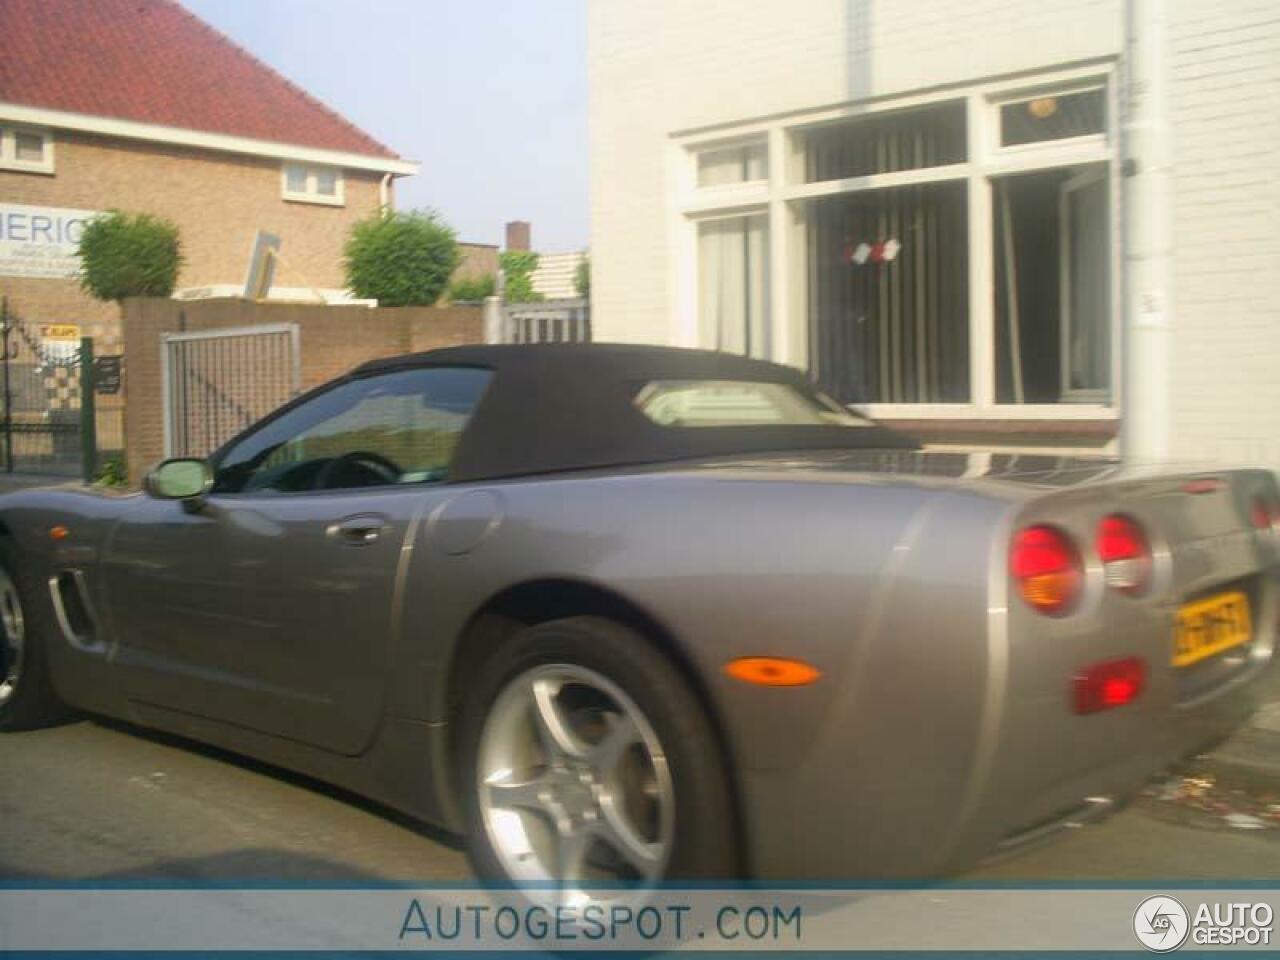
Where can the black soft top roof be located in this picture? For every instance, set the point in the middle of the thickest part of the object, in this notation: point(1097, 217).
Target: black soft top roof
point(554, 407)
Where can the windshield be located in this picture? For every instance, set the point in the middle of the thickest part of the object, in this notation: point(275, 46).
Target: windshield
point(737, 403)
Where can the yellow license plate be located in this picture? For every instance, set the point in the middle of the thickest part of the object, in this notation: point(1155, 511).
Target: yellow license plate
point(1209, 626)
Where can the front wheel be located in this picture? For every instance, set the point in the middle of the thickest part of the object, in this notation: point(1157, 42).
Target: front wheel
point(588, 761)
point(27, 699)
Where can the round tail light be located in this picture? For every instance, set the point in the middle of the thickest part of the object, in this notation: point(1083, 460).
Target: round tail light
point(1125, 554)
point(1047, 568)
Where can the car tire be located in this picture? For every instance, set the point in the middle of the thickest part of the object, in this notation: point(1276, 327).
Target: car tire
point(27, 697)
point(601, 670)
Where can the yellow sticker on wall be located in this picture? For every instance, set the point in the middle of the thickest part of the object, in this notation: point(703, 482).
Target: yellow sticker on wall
point(60, 331)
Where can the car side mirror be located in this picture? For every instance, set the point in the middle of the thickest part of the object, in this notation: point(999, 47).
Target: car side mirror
point(185, 478)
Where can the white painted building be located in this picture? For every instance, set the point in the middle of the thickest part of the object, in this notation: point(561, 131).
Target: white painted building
point(556, 277)
point(925, 203)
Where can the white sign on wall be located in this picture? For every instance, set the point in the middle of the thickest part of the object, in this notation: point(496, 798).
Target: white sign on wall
point(40, 241)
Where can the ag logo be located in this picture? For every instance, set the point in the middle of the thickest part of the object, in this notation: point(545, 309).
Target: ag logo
point(1161, 923)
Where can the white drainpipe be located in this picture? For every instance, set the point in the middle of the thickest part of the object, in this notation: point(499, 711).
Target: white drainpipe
point(1148, 236)
point(384, 193)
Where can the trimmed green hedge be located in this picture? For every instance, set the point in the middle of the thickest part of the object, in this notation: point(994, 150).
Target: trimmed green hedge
point(401, 259)
point(473, 288)
point(129, 255)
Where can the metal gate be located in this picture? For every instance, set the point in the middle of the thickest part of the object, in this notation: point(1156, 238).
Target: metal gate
point(547, 321)
point(47, 418)
point(217, 382)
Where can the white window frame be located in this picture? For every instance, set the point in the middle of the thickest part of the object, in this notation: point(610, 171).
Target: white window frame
point(1066, 309)
point(712, 191)
point(786, 197)
point(310, 194)
point(9, 149)
point(1026, 96)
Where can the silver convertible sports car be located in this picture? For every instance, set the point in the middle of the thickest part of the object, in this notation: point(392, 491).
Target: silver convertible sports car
point(626, 613)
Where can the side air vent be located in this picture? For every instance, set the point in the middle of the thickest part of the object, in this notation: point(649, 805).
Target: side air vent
point(74, 610)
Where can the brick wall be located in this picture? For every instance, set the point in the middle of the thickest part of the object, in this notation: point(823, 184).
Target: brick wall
point(478, 260)
point(40, 301)
point(333, 341)
point(1225, 75)
point(219, 200)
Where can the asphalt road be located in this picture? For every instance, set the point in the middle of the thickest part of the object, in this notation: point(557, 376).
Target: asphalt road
point(91, 801)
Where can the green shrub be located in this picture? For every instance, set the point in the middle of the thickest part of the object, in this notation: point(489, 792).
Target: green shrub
point(473, 288)
point(129, 255)
point(582, 277)
point(517, 267)
point(113, 473)
point(401, 259)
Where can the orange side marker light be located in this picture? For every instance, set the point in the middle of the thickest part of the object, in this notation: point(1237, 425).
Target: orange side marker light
point(772, 671)
point(59, 532)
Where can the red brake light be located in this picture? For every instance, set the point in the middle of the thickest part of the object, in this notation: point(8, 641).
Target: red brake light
point(1112, 683)
point(1125, 554)
point(1046, 565)
point(1265, 515)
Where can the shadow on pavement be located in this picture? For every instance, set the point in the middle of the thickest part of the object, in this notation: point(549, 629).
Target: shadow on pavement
point(426, 830)
point(234, 868)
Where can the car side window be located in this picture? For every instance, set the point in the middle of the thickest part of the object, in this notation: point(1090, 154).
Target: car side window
point(391, 428)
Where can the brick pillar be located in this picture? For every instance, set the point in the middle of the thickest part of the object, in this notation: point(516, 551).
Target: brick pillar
point(519, 235)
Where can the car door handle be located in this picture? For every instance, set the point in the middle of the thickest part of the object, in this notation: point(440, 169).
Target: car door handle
point(357, 531)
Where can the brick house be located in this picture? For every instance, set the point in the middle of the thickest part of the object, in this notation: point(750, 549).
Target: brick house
point(1041, 225)
point(139, 105)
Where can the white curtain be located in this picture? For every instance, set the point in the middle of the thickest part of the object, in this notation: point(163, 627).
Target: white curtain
point(1087, 302)
point(733, 285)
point(738, 164)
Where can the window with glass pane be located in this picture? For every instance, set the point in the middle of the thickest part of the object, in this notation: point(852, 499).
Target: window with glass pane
point(886, 143)
point(889, 294)
point(326, 181)
point(1039, 119)
point(295, 179)
point(726, 403)
point(1052, 286)
point(28, 147)
point(394, 428)
point(733, 285)
point(739, 163)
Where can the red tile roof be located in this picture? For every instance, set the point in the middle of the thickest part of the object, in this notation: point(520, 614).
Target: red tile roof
point(152, 61)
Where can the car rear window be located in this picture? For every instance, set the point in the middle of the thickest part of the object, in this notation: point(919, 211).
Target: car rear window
point(738, 403)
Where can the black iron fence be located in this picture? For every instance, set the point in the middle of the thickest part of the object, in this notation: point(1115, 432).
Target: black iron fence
point(49, 417)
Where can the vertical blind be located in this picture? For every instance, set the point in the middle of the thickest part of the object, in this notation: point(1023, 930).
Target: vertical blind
point(891, 330)
point(886, 143)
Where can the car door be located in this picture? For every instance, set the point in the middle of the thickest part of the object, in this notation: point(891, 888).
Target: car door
point(273, 602)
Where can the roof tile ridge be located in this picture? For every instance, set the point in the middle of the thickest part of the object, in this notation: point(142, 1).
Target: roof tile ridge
point(244, 54)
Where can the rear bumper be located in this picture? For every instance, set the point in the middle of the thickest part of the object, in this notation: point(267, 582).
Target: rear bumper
point(836, 821)
point(1086, 795)
point(892, 803)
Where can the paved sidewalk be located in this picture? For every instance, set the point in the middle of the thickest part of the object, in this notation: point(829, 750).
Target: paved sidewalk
point(1251, 757)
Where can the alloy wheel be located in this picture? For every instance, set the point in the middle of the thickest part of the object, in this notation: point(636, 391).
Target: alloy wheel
point(574, 785)
point(13, 631)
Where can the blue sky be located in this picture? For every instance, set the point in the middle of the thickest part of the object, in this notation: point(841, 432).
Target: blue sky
point(490, 96)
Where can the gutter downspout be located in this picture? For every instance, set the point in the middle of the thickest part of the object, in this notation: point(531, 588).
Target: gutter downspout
point(384, 193)
point(1148, 238)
